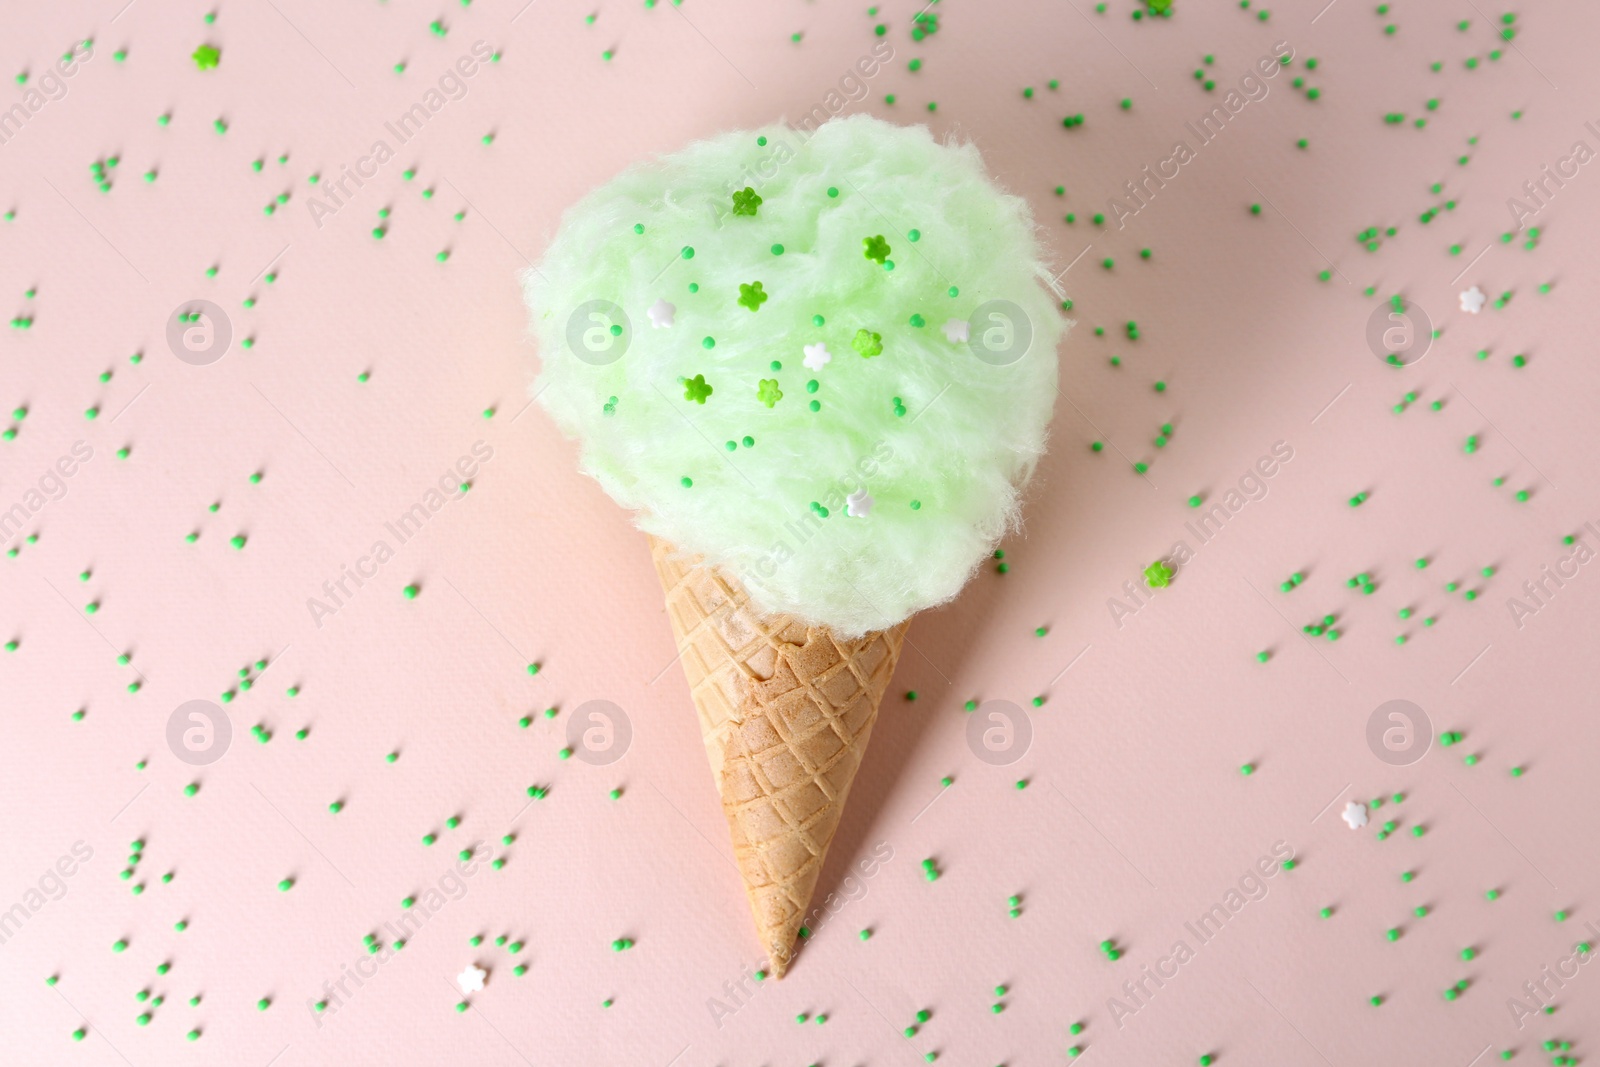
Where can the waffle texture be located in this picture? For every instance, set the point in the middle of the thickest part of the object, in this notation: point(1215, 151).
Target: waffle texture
point(785, 712)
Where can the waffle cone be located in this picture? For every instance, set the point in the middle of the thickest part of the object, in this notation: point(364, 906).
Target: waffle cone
point(785, 713)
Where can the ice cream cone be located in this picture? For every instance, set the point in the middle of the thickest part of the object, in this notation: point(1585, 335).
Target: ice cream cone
point(786, 699)
point(785, 713)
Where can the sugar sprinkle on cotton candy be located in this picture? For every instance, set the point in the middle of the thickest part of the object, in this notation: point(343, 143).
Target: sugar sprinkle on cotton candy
point(824, 361)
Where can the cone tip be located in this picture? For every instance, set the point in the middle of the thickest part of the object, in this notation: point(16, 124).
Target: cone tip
point(778, 964)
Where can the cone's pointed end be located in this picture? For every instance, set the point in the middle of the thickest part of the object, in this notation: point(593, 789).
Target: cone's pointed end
point(778, 957)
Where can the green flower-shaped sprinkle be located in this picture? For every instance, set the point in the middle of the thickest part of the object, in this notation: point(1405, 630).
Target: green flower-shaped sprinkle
point(875, 248)
point(768, 392)
point(752, 296)
point(696, 389)
point(1158, 575)
point(745, 201)
point(206, 57)
point(866, 342)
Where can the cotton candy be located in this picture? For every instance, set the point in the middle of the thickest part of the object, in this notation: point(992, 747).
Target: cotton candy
point(838, 398)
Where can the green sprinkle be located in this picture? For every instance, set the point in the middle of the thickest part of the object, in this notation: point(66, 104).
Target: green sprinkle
point(746, 202)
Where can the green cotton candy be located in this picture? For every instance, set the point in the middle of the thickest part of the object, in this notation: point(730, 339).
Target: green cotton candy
point(710, 429)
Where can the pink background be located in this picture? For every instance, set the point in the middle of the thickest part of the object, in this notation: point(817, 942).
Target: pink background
point(1136, 819)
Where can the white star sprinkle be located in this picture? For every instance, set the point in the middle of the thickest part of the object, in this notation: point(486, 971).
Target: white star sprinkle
point(661, 314)
point(817, 356)
point(1355, 814)
point(858, 504)
point(471, 979)
point(1472, 300)
point(955, 331)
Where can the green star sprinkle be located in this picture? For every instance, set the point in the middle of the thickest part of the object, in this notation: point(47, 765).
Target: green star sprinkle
point(867, 343)
point(696, 389)
point(1158, 575)
point(745, 202)
point(752, 296)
